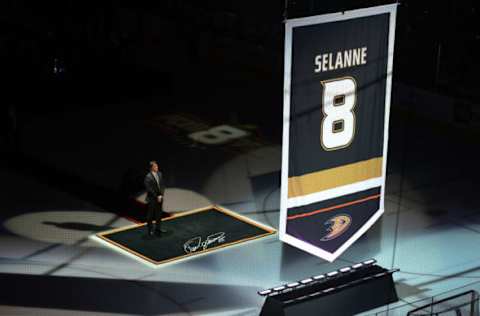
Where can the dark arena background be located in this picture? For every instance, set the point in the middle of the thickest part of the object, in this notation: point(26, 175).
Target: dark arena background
point(93, 91)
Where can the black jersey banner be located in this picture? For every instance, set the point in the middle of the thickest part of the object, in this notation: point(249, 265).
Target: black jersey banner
point(338, 71)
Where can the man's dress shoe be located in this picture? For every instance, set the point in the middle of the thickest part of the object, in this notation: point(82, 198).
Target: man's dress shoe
point(160, 231)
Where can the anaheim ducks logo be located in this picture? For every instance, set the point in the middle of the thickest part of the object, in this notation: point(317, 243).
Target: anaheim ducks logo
point(337, 225)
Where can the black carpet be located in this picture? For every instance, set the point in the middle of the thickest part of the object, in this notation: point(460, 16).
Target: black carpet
point(190, 234)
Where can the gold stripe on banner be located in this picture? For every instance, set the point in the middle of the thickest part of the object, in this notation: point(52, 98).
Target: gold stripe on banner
point(334, 177)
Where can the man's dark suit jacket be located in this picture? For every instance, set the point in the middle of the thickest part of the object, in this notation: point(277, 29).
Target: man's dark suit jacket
point(154, 189)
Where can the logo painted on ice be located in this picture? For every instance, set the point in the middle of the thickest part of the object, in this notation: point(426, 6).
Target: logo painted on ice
point(337, 225)
point(196, 243)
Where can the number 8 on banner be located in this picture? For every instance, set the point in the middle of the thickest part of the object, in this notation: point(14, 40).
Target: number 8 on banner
point(338, 101)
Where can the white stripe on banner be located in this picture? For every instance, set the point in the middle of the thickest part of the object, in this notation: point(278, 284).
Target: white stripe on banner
point(335, 192)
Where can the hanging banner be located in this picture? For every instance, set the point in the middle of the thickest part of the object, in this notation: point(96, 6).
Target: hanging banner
point(338, 73)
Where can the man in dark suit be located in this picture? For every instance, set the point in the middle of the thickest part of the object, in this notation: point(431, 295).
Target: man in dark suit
point(155, 187)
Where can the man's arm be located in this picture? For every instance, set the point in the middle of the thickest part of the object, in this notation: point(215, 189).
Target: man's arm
point(161, 184)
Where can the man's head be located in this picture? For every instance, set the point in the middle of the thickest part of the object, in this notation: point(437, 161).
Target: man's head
point(153, 166)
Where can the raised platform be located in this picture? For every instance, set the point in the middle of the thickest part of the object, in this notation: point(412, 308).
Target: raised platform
point(188, 234)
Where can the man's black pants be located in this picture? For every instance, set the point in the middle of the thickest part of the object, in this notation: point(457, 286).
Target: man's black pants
point(154, 212)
